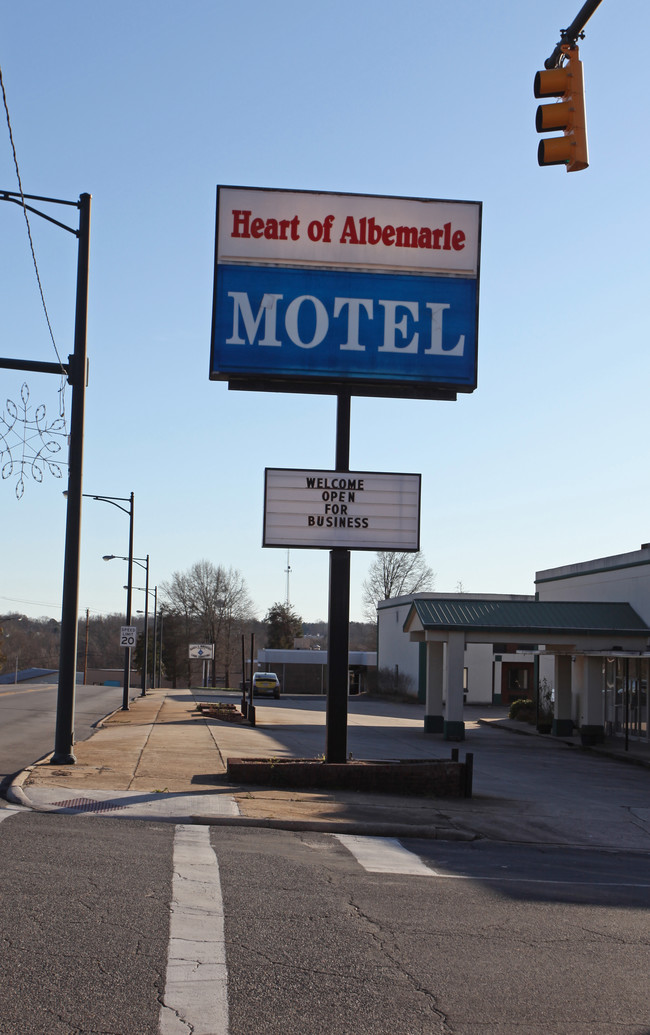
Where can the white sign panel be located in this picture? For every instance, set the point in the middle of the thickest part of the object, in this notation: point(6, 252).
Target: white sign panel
point(128, 635)
point(201, 650)
point(355, 510)
point(392, 233)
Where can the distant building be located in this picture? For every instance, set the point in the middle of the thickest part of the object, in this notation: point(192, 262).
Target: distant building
point(305, 671)
point(30, 675)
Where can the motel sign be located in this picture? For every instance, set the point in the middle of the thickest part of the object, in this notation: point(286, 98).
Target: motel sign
point(318, 291)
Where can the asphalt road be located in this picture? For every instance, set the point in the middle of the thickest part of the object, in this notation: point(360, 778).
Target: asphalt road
point(84, 922)
point(28, 718)
point(481, 938)
point(319, 934)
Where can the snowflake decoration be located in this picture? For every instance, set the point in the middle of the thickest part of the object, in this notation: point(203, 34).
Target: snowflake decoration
point(26, 445)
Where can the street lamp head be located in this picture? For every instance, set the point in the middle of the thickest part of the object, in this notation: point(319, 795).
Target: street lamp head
point(108, 557)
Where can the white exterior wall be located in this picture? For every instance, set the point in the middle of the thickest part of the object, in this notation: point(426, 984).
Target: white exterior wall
point(478, 661)
point(623, 578)
point(394, 645)
point(396, 648)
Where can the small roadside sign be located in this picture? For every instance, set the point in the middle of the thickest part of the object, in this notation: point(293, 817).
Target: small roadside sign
point(202, 650)
point(128, 635)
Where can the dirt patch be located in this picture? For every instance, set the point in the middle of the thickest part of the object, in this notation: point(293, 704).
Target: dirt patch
point(223, 712)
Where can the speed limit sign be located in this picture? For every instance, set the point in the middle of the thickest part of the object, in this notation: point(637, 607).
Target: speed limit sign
point(127, 635)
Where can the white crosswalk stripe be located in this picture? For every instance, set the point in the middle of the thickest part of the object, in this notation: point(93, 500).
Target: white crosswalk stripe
point(196, 994)
point(384, 855)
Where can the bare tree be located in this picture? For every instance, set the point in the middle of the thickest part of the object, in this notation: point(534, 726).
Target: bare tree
point(393, 574)
point(177, 598)
point(214, 604)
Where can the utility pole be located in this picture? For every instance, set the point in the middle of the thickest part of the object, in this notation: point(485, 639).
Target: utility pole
point(76, 372)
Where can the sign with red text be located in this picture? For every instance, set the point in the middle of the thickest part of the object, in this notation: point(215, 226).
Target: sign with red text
point(350, 509)
point(321, 291)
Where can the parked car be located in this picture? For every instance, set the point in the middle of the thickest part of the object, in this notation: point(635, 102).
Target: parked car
point(266, 683)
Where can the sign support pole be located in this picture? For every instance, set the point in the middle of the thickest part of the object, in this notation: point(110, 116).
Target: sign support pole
point(336, 733)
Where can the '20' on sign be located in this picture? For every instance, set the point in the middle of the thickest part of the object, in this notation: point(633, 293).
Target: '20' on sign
point(128, 635)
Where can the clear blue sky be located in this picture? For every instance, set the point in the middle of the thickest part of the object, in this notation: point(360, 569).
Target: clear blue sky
point(148, 105)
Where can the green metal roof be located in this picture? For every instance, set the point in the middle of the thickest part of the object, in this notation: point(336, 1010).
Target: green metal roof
point(539, 616)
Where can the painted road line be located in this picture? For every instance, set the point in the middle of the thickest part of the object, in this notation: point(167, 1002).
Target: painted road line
point(196, 994)
point(384, 855)
point(25, 690)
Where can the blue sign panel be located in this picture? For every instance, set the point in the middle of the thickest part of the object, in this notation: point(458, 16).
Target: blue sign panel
point(282, 322)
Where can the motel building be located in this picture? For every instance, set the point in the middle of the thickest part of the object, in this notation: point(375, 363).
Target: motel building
point(586, 631)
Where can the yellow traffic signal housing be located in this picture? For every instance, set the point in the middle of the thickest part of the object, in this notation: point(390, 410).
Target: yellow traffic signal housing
point(567, 113)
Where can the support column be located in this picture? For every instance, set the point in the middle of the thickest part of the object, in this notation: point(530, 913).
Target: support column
point(433, 715)
point(563, 720)
point(454, 726)
point(590, 682)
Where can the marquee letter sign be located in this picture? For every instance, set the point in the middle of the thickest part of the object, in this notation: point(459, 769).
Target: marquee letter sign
point(356, 510)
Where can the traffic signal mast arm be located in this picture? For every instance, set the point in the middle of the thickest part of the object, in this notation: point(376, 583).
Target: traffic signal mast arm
point(573, 33)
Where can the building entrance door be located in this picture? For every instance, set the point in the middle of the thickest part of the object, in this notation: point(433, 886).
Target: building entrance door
point(516, 681)
point(626, 703)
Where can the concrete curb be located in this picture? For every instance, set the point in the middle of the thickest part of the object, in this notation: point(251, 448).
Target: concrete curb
point(14, 792)
point(324, 826)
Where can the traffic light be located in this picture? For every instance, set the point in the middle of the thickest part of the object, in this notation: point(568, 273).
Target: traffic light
point(567, 113)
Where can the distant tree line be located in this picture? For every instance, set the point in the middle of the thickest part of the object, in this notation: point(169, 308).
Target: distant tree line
point(210, 604)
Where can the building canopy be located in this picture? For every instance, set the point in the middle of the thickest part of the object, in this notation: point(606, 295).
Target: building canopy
point(576, 625)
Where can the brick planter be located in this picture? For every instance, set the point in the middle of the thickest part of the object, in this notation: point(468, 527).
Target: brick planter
point(436, 778)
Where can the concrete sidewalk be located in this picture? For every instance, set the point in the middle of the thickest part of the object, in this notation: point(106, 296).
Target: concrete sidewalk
point(163, 759)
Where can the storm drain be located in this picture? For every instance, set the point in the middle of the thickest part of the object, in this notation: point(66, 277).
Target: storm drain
point(89, 805)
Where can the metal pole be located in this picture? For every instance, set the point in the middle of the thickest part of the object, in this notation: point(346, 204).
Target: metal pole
point(155, 618)
point(250, 712)
point(64, 733)
point(336, 732)
point(160, 658)
point(146, 631)
point(86, 647)
point(129, 593)
point(244, 703)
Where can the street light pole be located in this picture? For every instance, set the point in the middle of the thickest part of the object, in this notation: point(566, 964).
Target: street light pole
point(64, 733)
point(75, 370)
point(129, 591)
point(145, 589)
point(142, 562)
point(155, 618)
point(116, 501)
point(160, 661)
point(143, 692)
